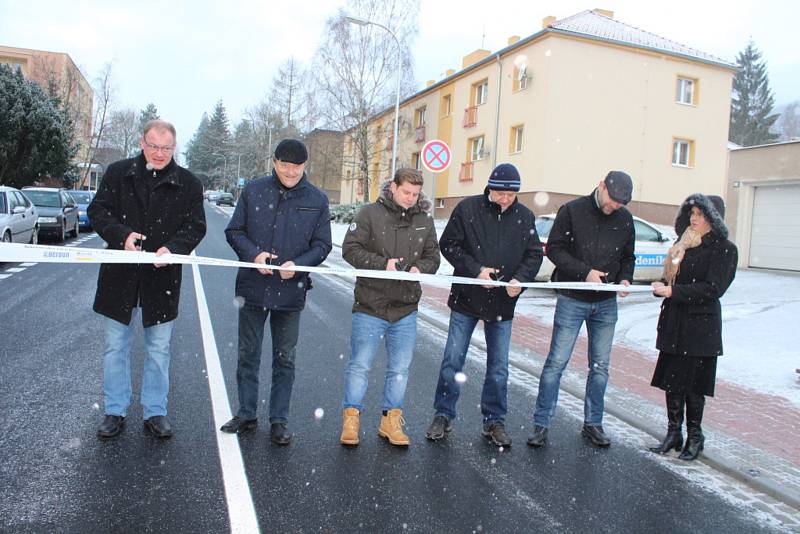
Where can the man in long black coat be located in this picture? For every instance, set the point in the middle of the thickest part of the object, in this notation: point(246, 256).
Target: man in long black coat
point(145, 203)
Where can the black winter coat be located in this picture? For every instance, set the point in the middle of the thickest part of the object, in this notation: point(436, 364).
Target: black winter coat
point(384, 230)
point(584, 238)
point(690, 323)
point(170, 214)
point(479, 235)
point(294, 224)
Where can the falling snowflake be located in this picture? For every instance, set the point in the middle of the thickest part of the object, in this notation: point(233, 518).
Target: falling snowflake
point(461, 377)
point(319, 413)
point(238, 302)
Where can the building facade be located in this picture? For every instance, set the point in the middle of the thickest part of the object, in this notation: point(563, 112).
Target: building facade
point(58, 69)
point(584, 95)
point(324, 165)
point(763, 202)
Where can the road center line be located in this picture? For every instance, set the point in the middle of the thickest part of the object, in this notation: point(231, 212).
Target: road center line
point(241, 510)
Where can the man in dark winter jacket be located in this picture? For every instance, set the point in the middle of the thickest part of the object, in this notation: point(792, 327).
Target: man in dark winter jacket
point(592, 240)
point(144, 203)
point(396, 233)
point(283, 219)
point(489, 237)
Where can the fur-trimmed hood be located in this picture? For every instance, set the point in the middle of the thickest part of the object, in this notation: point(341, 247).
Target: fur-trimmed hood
point(423, 201)
point(713, 208)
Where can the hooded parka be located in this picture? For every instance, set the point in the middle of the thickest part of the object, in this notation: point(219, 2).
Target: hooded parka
point(384, 230)
point(690, 323)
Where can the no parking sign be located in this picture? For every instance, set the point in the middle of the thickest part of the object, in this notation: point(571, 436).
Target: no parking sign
point(436, 156)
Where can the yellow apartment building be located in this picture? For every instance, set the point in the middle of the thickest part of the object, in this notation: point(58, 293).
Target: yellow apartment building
point(43, 67)
point(584, 95)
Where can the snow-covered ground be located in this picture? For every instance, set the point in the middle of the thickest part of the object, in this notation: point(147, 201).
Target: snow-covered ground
point(761, 329)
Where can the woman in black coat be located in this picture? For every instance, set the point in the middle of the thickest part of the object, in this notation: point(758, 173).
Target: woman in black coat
point(697, 272)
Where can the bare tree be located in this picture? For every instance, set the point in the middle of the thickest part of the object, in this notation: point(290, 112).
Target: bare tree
point(355, 69)
point(123, 132)
point(104, 90)
point(788, 124)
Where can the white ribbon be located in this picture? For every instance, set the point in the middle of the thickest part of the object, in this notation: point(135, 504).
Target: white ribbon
point(15, 252)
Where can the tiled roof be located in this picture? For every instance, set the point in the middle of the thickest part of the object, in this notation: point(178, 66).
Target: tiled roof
point(595, 25)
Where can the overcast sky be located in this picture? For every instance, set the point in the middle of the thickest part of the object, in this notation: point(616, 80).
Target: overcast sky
point(186, 55)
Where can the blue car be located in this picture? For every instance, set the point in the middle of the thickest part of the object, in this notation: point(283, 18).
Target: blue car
point(83, 199)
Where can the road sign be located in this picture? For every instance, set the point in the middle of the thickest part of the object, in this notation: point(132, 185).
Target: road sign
point(241, 182)
point(436, 156)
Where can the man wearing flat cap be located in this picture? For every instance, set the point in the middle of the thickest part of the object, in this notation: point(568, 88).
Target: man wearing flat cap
point(592, 240)
point(490, 237)
point(283, 220)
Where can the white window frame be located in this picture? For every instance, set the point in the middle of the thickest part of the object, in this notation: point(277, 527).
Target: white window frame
point(477, 148)
point(482, 93)
point(421, 116)
point(519, 132)
point(685, 91)
point(677, 144)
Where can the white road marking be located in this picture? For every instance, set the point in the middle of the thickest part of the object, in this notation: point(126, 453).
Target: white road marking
point(27, 264)
point(241, 510)
point(4, 276)
point(15, 269)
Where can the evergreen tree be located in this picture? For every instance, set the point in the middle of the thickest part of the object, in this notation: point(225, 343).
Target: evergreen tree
point(36, 137)
point(752, 100)
point(210, 147)
point(149, 113)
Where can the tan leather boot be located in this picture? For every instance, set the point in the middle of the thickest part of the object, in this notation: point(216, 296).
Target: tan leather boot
point(350, 426)
point(392, 427)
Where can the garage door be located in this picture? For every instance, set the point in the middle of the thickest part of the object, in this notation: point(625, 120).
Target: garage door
point(775, 237)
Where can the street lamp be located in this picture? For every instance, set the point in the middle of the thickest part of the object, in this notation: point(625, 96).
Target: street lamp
point(363, 22)
point(225, 168)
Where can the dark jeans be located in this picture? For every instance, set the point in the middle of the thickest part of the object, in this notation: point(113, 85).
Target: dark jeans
point(284, 326)
point(494, 398)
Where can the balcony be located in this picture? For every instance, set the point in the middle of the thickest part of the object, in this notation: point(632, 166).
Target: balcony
point(470, 117)
point(466, 174)
point(419, 136)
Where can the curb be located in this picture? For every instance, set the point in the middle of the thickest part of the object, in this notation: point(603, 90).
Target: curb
point(762, 484)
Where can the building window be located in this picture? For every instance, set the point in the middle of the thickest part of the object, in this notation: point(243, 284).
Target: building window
point(480, 92)
point(521, 78)
point(447, 105)
point(476, 149)
point(416, 161)
point(419, 116)
point(685, 91)
point(683, 153)
point(515, 139)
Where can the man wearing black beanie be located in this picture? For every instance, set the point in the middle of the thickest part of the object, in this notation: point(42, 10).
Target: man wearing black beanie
point(491, 237)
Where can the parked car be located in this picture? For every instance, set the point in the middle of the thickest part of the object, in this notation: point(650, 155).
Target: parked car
point(18, 217)
point(225, 198)
point(212, 196)
point(83, 199)
point(58, 211)
point(652, 245)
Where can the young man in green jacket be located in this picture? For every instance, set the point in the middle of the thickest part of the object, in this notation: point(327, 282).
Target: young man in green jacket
point(395, 233)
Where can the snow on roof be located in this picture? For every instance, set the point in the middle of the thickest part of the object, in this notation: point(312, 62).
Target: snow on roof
point(599, 26)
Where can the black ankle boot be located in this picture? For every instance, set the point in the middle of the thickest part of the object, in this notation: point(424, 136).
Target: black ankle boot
point(694, 416)
point(674, 438)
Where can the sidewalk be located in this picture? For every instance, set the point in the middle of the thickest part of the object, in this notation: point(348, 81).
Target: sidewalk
point(751, 436)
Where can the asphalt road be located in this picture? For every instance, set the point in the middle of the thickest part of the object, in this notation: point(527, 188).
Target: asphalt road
point(56, 476)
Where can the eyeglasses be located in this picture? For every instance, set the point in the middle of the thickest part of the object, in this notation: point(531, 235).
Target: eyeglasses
point(158, 148)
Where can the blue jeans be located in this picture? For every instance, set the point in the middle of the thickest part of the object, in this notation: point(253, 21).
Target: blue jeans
point(600, 318)
point(117, 367)
point(366, 336)
point(285, 326)
point(494, 398)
